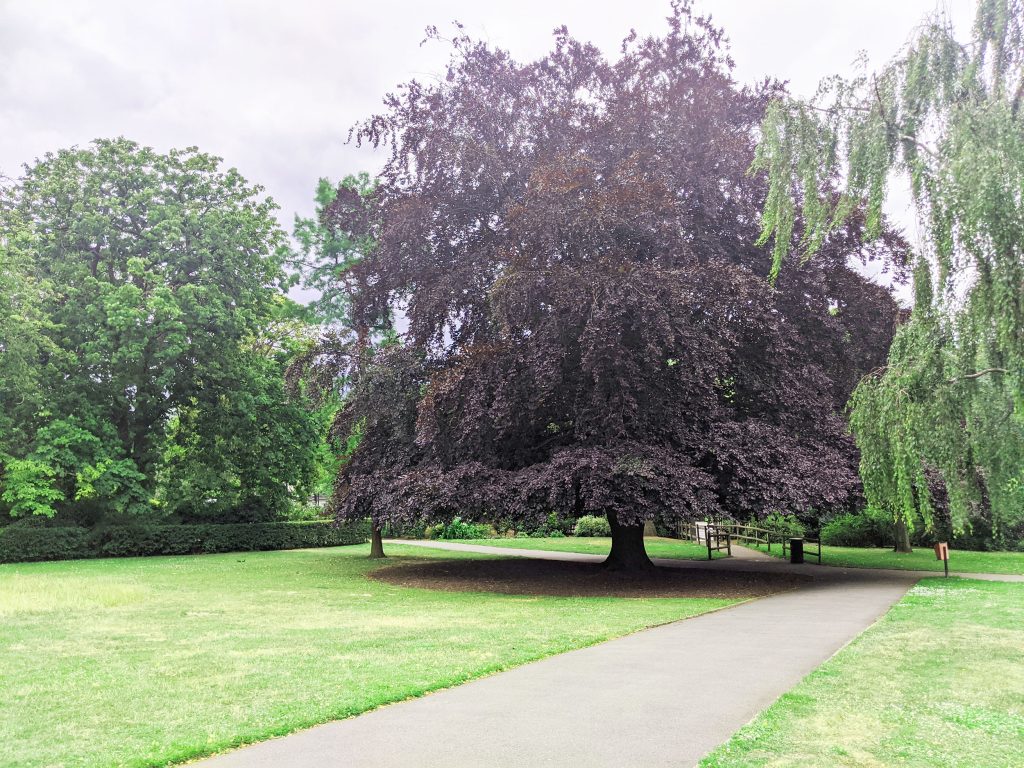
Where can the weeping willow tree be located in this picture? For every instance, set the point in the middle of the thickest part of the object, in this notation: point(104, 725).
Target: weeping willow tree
point(948, 117)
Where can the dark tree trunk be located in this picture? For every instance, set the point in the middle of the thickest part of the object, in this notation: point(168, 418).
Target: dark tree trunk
point(902, 537)
point(362, 349)
point(376, 543)
point(628, 552)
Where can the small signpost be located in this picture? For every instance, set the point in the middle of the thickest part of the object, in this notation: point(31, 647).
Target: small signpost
point(942, 553)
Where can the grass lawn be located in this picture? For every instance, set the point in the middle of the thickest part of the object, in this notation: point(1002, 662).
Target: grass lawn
point(921, 559)
point(601, 545)
point(143, 661)
point(938, 681)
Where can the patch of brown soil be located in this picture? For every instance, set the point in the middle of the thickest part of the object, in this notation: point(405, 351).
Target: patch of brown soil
point(522, 576)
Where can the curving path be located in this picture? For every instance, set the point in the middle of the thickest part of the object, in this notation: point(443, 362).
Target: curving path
point(660, 697)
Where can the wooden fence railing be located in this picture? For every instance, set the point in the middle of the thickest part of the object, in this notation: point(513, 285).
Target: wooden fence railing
point(718, 537)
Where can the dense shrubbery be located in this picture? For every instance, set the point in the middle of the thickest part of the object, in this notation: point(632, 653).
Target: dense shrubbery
point(781, 525)
point(872, 528)
point(26, 543)
point(856, 530)
point(591, 525)
point(553, 526)
point(981, 537)
point(459, 529)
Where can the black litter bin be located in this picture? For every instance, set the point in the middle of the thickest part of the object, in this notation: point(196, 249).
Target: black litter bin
point(796, 550)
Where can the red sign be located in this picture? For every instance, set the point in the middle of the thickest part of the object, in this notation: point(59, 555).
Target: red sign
point(942, 551)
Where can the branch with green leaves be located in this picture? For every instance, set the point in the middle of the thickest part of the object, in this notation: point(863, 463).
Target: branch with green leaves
point(945, 117)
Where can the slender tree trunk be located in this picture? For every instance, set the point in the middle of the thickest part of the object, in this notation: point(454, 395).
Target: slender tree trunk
point(362, 349)
point(902, 537)
point(376, 543)
point(628, 552)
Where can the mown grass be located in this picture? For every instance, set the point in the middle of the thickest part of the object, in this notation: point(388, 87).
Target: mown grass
point(145, 661)
point(921, 559)
point(601, 545)
point(938, 681)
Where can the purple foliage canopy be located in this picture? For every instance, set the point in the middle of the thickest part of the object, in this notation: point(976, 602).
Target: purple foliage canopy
point(591, 329)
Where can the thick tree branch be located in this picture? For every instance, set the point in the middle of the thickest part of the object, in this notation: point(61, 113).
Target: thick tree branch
point(976, 374)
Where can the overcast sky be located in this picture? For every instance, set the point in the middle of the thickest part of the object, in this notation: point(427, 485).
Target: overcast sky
point(273, 86)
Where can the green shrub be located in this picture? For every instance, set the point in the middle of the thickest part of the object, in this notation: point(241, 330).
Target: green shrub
point(553, 526)
point(27, 544)
point(417, 530)
point(980, 536)
point(31, 521)
point(856, 530)
point(782, 525)
point(591, 525)
point(668, 530)
point(459, 529)
point(874, 528)
point(302, 512)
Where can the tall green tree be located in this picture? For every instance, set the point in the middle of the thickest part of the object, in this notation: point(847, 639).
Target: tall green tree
point(333, 243)
point(328, 252)
point(949, 117)
point(22, 342)
point(21, 338)
point(158, 269)
point(241, 450)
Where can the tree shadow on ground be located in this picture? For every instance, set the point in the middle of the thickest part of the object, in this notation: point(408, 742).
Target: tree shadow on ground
point(553, 578)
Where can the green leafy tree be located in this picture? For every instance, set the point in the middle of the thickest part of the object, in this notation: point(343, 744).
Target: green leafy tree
point(22, 340)
point(328, 252)
point(152, 271)
point(242, 453)
point(70, 460)
point(949, 117)
point(340, 236)
point(241, 450)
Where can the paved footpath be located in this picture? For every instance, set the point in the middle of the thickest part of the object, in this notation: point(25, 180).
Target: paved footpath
point(660, 697)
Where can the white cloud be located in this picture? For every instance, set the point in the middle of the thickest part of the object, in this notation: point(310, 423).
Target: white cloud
point(273, 87)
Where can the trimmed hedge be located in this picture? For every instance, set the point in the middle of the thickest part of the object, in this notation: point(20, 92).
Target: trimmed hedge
point(19, 545)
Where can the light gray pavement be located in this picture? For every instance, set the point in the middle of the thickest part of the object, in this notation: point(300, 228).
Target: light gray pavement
point(661, 697)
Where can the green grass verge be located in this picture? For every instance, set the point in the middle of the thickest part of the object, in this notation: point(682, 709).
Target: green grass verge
point(921, 559)
point(144, 661)
point(938, 681)
point(601, 545)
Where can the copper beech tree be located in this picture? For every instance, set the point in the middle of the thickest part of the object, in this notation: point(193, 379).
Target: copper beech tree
point(591, 327)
